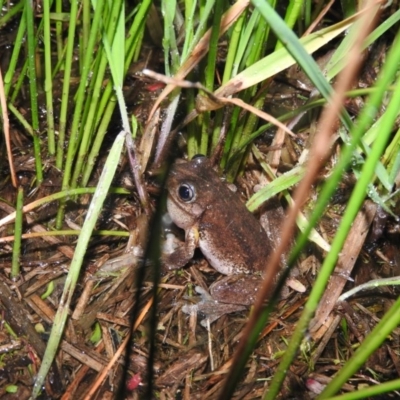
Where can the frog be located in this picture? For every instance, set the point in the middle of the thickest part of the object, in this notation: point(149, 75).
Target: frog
point(216, 221)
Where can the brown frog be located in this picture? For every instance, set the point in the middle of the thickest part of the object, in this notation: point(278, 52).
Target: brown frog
point(215, 220)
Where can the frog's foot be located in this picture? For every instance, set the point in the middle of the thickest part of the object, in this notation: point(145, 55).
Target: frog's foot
point(176, 254)
point(236, 289)
point(210, 308)
point(177, 259)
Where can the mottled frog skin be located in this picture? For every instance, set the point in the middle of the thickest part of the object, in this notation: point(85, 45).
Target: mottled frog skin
point(215, 220)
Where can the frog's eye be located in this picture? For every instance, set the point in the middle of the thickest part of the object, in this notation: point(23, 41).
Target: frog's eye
point(198, 156)
point(186, 192)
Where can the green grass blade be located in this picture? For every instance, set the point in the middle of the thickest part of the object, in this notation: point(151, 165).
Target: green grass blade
point(367, 393)
point(108, 100)
point(171, 54)
point(80, 96)
point(201, 28)
point(59, 33)
point(99, 75)
point(210, 76)
point(278, 185)
point(297, 51)
point(73, 274)
point(8, 78)
point(33, 89)
point(11, 13)
point(291, 16)
point(66, 84)
point(117, 64)
point(75, 135)
point(48, 83)
point(338, 60)
point(190, 9)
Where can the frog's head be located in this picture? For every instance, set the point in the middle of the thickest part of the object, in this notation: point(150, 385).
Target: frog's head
point(191, 188)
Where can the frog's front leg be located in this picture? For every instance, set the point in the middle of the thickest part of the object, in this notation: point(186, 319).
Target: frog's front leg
point(177, 256)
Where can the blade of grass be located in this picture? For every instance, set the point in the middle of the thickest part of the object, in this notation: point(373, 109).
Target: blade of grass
point(8, 78)
point(57, 196)
point(86, 18)
point(16, 51)
point(75, 134)
point(258, 39)
point(33, 89)
point(200, 50)
point(206, 10)
point(210, 76)
point(190, 9)
point(66, 84)
point(11, 13)
point(116, 61)
point(233, 58)
point(59, 32)
point(278, 185)
point(269, 66)
point(48, 83)
point(291, 16)
point(367, 393)
point(171, 52)
point(108, 100)
point(32, 235)
point(282, 59)
point(372, 284)
point(76, 263)
point(337, 62)
point(92, 101)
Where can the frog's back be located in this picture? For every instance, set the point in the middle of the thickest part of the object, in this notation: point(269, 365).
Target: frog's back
point(231, 238)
